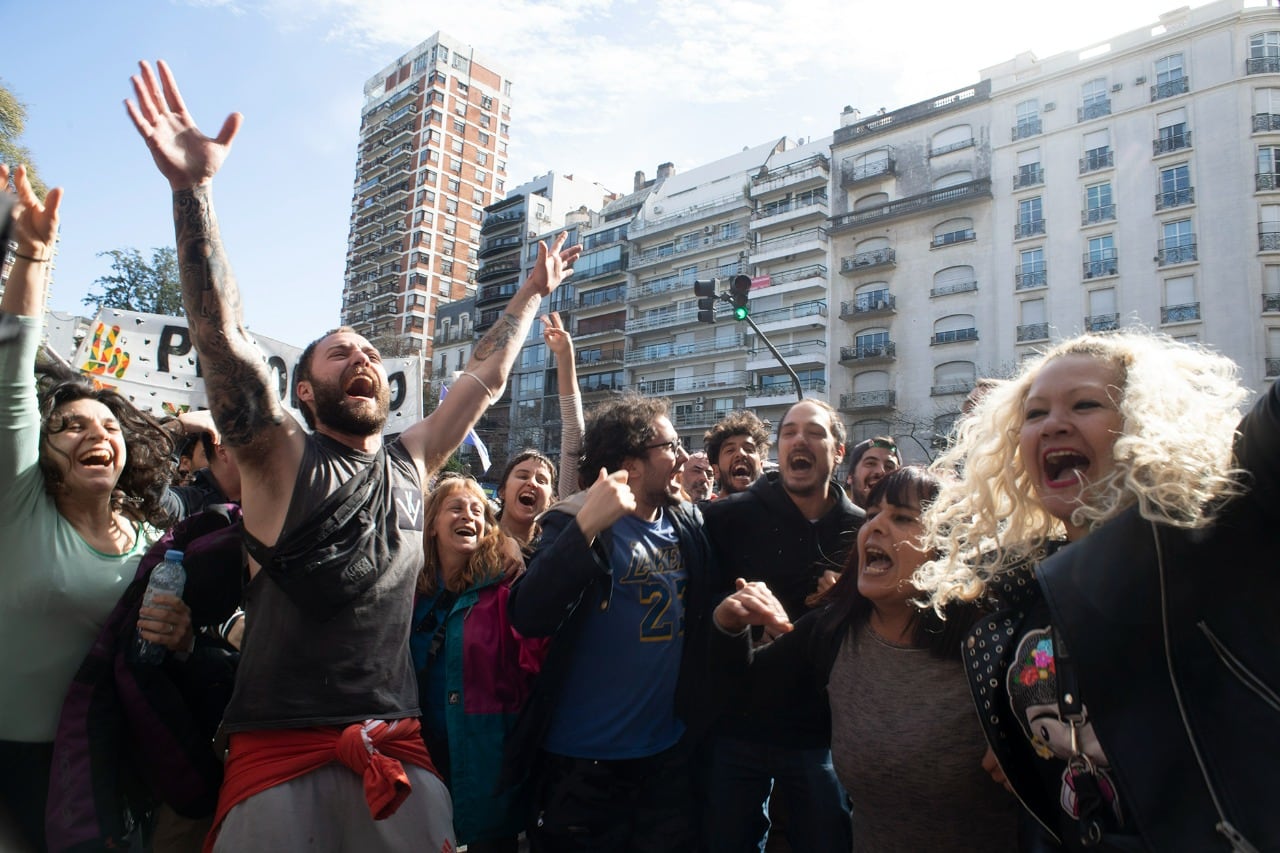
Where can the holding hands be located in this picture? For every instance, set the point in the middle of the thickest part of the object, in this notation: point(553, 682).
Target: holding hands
point(752, 604)
point(183, 154)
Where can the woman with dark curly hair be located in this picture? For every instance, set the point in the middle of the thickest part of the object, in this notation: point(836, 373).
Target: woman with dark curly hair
point(81, 475)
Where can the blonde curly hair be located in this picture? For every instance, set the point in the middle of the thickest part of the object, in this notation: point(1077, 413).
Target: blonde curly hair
point(484, 563)
point(1179, 405)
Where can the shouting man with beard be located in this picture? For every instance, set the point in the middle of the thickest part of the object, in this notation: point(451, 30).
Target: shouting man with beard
point(786, 529)
point(737, 446)
point(622, 580)
point(324, 738)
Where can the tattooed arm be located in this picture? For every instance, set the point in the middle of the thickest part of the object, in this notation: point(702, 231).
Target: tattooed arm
point(433, 439)
point(244, 404)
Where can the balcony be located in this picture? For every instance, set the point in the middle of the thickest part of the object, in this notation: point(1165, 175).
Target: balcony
point(1271, 367)
point(870, 304)
point(729, 379)
point(1271, 302)
point(815, 310)
point(877, 353)
point(1026, 127)
point(664, 284)
point(815, 169)
point(593, 326)
point(1176, 252)
point(1029, 276)
point(782, 392)
point(1262, 65)
point(1098, 158)
point(1175, 198)
point(1028, 228)
point(1188, 313)
point(504, 218)
point(864, 261)
point(603, 357)
point(799, 352)
point(598, 271)
point(958, 99)
point(612, 295)
point(497, 245)
point(1266, 122)
point(1028, 176)
point(954, 146)
point(1100, 265)
point(498, 270)
point(851, 175)
point(861, 401)
point(954, 287)
point(789, 244)
point(1169, 88)
point(686, 216)
point(951, 237)
point(705, 418)
point(951, 388)
point(1033, 332)
point(1269, 237)
point(698, 242)
point(783, 211)
point(1102, 323)
point(971, 191)
point(1266, 181)
point(954, 336)
point(492, 292)
point(799, 274)
point(1099, 213)
point(652, 353)
point(1094, 109)
point(1171, 142)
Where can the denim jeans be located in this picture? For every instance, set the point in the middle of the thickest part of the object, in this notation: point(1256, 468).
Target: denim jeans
point(739, 780)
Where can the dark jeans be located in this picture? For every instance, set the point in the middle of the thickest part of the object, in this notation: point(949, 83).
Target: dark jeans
point(24, 786)
point(739, 779)
point(637, 805)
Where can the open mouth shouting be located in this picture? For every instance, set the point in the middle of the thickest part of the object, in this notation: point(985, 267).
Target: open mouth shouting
point(877, 561)
point(363, 385)
point(100, 457)
point(1063, 467)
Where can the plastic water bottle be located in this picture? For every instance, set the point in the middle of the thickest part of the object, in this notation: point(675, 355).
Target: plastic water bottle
point(168, 578)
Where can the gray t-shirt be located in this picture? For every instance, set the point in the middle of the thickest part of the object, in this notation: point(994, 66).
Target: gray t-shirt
point(908, 749)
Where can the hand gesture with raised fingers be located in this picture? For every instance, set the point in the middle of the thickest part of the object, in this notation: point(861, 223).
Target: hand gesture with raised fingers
point(35, 223)
point(183, 154)
point(554, 264)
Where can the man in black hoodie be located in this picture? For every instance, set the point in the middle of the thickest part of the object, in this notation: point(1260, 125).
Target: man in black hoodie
point(786, 529)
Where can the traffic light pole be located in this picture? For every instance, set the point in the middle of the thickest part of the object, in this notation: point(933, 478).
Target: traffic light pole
point(795, 380)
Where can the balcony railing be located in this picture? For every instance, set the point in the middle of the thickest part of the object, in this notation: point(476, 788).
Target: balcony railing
point(1175, 198)
point(1028, 176)
point(815, 308)
point(954, 336)
point(687, 215)
point(698, 243)
point(861, 400)
point(1096, 109)
point(1180, 313)
point(1271, 366)
point(664, 284)
point(1263, 122)
point(668, 351)
point(684, 419)
point(867, 304)
point(954, 146)
point(810, 168)
point(853, 264)
point(954, 287)
point(1100, 264)
point(1028, 228)
point(1171, 142)
point(592, 326)
point(788, 241)
point(851, 174)
point(500, 244)
point(1033, 275)
point(950, 237)
point(1033, 332)
point(502, 268)
point(790, 206)
point(951, 388)
point(979, 188)
point(1179, 252)
point(1169, 88)
point(786, 389)
point(1102, 322)
point(605, 296)
point(492, 292)
point(1271, 302)
point(799, 274)
point(1269, 237)
point(1026, 127)
point(1264, 181)
point(1099, 158)
point(594, 357)
point(689, 384)
point(1262, 65)
point(867, 353)
point(1101, 213)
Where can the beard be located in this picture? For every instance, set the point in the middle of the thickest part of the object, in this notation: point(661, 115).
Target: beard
point(335, 411)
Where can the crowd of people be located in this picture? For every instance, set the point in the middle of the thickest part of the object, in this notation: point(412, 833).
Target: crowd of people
point(1060, 635)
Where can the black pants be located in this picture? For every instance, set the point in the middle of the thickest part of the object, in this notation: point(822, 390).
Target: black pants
point(24, 786)
point(637, 805)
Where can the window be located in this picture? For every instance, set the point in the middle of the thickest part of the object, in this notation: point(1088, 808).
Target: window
point(427, 178)
point(1268, 177)
point(953, 377)
point(482, 177)
point(952, 179)
point(1264, 53)
point(1170, 79)
point(431, 155)
point(1098, 206)
point(1175, 187)
point(432, 137)
point(958, 279)
point(1172, 133)
point(486, 102)
point(485, 121)
point(1100, 259)
point(483, 137)
point(1030, 217)
point(504, 130)
point(953, 231)
point(1031, 270)
point(1103, 316)
point(1030, 172)
point(463, 88)
point(872, 343)
point(446, 267)
point(1094, 100)
point(1033, 327)
point(1177, 243)
point(1097, 151)
point(477, 196)
point(951, 139)
point(456, 146)
point(957, 327)
point(499, 186)
point(454, 185)
point(447, 246)
point(451, 206)
point(482, 159)
point(1027, 115)
point(1180, 305)
point(867, 202)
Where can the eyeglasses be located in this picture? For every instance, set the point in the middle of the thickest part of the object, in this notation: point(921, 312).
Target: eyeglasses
point(674, 445)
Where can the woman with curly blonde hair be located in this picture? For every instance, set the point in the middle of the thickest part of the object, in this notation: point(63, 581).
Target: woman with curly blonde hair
point(474, 671)
point(1102, 495)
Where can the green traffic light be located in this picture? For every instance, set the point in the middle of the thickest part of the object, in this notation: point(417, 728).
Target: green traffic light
point(741, 312)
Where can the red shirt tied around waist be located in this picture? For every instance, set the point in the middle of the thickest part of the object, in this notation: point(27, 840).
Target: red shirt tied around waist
point(373, 749)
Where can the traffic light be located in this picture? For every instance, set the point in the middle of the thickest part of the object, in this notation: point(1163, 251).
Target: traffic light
point(738, 295)
point(706, 292)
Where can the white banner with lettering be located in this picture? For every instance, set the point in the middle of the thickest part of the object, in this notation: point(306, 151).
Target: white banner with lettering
point(149, 358)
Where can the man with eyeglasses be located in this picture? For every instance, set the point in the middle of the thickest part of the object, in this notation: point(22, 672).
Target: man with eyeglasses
point(787, 529)
point(869, 462)
point(623, 580)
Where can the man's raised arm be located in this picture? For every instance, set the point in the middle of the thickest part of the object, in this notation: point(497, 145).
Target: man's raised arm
point(431, 440)
point(238, 383)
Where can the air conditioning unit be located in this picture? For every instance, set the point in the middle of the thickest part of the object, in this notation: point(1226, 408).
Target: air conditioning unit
point(700, 400)
point(1050, 107)
point(1116, 87)
point(709, 229)
point(697, 407)
point(1139, 81)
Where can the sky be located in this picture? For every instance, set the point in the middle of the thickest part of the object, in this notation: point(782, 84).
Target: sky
point(601, 89)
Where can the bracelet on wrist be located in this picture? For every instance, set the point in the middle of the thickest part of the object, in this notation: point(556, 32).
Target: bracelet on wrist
point(32, 258)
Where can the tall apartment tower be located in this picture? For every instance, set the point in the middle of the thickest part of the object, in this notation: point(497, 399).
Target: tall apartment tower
point(432, 155)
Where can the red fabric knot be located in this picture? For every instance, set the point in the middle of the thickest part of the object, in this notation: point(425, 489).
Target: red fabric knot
point(386, 785)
